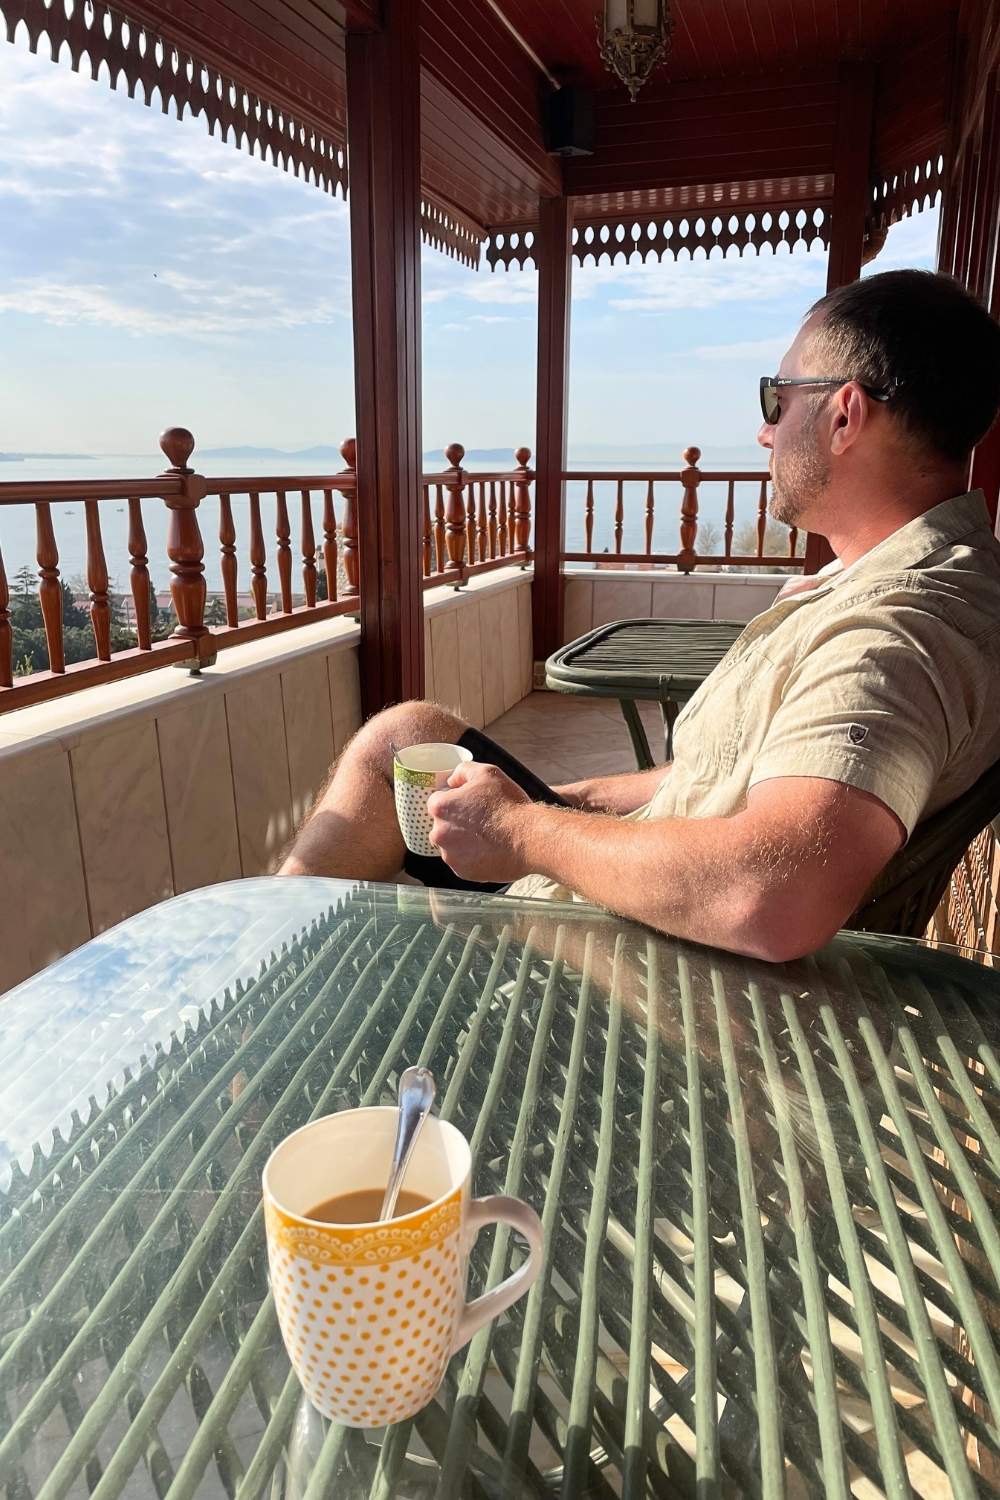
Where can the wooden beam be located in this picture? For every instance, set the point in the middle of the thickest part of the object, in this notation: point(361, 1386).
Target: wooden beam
point(383, 106)
point(851, 173)
point(552, 256)
point(851, 186)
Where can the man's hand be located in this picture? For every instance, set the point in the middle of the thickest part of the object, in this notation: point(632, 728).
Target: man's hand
point(476, 823)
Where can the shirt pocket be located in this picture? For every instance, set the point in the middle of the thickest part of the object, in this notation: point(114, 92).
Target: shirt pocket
point(722, 715)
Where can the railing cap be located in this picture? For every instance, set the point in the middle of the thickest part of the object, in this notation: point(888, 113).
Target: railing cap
point(177, 445)
point(454, 453)
point(522, 456)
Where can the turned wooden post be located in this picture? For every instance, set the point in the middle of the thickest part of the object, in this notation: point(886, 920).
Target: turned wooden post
point(6, 634)
point(330, 545)
point(522, 502)
point(284, 533)
point(227, 547)
point(97, 582)
point(454, 516)
point(349, 453)
point(426, 538)
point(49, 588)
point(258, 559)
point(185, 547)
point(690, 478)
point(308, 552)
point(139, 576)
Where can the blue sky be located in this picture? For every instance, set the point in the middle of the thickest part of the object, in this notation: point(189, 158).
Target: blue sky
point(150, 275)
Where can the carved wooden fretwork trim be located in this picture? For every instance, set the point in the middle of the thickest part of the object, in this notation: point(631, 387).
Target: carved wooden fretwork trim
point(675, 235)
point(906, 192)
point(451, 233)
point(96, 35)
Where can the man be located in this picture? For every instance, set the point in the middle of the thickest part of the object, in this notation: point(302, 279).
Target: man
point(856, 705)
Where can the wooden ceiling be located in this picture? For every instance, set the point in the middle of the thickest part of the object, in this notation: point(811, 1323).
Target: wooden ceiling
point(729, 38)
point(748, 96)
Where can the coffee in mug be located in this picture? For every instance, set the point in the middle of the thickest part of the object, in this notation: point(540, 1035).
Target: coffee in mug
point(418, 771)
point(371, 1312)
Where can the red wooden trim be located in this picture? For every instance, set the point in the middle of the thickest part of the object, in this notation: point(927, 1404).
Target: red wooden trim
point(42, 687)
point(255, 630)
point(383, 90)
point(552, 256)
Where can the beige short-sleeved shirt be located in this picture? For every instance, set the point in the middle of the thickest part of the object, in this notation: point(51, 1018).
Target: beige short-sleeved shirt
point(886, 676)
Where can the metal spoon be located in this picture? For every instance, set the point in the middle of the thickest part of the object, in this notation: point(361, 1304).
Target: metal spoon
point(416, 1095)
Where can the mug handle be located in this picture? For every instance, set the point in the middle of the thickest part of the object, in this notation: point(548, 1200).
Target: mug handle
point(500, 1210)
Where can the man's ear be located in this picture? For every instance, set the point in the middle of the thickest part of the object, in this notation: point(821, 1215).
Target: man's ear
point(850, 413)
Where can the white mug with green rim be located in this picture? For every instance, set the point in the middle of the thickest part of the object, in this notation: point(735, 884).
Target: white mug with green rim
point(417, 771)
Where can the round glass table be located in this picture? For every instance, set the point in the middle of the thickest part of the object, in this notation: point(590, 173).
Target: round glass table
point(769, 1194)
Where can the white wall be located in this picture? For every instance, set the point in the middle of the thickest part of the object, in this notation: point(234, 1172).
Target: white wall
point(598, 597)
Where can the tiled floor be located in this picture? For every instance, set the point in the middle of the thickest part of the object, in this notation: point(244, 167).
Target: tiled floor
point(563, 738)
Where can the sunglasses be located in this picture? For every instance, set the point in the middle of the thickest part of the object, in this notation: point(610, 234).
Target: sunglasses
point(770, 385)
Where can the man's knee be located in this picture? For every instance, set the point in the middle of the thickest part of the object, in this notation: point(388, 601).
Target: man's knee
point(411, 723)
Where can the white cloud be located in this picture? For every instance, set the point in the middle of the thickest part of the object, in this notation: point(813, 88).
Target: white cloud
point(767, 349)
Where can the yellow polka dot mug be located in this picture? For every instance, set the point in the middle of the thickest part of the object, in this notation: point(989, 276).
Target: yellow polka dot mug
point(418, 771)
point(371, 1313)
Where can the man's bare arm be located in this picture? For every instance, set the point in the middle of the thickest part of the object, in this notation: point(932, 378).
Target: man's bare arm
point(621, 794)
point(775, 881)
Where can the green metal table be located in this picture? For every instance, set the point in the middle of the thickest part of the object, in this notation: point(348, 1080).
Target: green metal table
point(769, 1195)
point(656, 661)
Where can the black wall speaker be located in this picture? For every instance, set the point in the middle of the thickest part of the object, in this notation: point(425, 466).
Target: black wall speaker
point(569, 122)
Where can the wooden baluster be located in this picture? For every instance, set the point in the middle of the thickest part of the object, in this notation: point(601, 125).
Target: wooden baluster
point(227, 546)
point(427, 537)
point(185, 547)
point(481, 533)
point(258, 559)
point(139, 578)
point(330, 545)
point(522, 502)
point(492, 523)
point(308, 552)
point(730, 516)
point(761, 517)
point(349, 453)
point(455, 518)
point(6, 634)
point(690, 479)
point(440, 550)
point(503, 530)
point(49, 590)
point(97, 582)
point(619, 514)
point(470, 522)
point(793, 540)
point(284, 532)
point(588, 518)
point(650, 502)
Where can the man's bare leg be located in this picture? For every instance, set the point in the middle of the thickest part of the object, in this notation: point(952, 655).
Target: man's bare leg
point(352, 829)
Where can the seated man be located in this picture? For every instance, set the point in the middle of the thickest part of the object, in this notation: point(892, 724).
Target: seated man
point(863, 700)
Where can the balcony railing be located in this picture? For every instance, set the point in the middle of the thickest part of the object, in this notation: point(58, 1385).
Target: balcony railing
point(622, 507)
point(472, 522)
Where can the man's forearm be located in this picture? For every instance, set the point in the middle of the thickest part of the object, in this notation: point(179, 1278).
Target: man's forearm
point(618, 794)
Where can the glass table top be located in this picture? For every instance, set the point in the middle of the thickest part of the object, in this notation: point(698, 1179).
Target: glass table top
point(769, 1193)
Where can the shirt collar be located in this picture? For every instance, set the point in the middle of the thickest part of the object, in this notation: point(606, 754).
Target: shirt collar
point(912, 544)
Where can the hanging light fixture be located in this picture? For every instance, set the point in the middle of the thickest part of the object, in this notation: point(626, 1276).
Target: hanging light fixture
point(633, 37)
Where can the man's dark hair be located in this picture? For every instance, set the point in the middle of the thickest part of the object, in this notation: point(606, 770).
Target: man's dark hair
point(926, 335)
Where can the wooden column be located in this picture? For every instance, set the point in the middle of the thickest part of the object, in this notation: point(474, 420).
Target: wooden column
point(383, 131)
point(552, 256)
point(851, 173)
point(851, 198)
